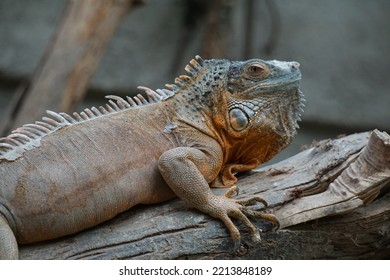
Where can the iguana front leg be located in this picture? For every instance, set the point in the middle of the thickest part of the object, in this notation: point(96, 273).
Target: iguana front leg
point(188, 172)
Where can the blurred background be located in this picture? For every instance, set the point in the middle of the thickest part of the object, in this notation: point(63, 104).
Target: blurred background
point(343, 48)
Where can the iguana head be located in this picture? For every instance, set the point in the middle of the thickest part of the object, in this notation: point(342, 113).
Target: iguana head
point(264, 95)
point(253, 96)
point(245, 96)
point(251, 106)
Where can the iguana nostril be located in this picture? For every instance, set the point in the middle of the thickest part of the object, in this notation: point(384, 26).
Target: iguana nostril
point(295, 65)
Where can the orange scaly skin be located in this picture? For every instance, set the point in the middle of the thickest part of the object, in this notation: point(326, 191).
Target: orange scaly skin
point(68, 173)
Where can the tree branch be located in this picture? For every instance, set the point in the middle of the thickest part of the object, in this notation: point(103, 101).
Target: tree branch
point(333, 201)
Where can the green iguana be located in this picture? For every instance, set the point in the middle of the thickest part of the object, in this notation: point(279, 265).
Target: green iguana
point(67, 173)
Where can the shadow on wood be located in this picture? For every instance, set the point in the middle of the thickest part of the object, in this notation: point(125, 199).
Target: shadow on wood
point(332, 200)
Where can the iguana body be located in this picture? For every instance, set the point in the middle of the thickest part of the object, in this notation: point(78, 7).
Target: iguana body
point(68, 173)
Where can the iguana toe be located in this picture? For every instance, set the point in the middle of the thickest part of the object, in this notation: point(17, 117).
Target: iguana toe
point(233, 189)
point(265, 216)
point(252, 201)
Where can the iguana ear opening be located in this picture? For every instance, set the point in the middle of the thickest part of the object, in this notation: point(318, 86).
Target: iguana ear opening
point(238, 119)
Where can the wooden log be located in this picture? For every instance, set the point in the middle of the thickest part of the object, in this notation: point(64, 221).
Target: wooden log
point(333, 202)
point(60, 81)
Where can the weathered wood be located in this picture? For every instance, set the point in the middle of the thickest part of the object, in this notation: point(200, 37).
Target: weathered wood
point(64, 72)
point(333, 201)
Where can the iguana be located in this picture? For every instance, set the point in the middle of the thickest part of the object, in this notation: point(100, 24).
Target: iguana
point(67, 172)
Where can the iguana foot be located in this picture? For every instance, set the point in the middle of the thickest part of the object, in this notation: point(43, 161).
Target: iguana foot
point(225, 208)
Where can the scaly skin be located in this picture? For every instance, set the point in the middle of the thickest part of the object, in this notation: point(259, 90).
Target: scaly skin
point(69, 173)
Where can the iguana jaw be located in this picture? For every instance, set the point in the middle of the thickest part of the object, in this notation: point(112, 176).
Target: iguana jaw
point(272, 87)
point(281, 111)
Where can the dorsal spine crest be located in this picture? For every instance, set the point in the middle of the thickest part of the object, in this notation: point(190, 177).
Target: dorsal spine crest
point(29, 135)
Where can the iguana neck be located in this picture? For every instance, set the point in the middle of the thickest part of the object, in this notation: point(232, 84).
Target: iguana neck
point(198, 96)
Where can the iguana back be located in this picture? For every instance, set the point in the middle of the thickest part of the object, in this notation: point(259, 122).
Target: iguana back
point(87, 172)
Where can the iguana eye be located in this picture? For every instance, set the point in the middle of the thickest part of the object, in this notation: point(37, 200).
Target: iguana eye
point(257, 70)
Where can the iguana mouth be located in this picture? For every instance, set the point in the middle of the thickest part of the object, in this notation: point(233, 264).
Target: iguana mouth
point(277, 86)
point(287, 83)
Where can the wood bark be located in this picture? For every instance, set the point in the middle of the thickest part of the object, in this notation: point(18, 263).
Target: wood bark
point(64, 72)
point(332, 200)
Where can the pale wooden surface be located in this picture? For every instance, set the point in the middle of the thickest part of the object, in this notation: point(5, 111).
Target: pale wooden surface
point(333, 202)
